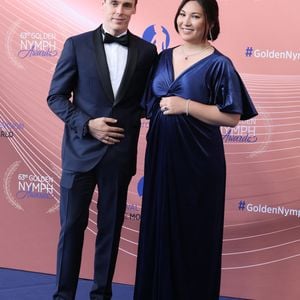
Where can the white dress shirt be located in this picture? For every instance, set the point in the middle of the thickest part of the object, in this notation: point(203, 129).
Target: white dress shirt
point(116, 56)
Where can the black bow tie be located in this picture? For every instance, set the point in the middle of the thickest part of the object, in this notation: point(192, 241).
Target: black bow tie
point(122, 40)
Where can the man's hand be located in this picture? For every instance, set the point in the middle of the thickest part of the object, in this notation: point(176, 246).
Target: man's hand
point(102, 130)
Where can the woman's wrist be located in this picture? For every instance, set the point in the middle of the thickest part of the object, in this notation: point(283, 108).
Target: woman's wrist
point(187, 106)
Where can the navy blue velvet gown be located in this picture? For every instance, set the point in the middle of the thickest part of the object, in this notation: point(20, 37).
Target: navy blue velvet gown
point(180, 244)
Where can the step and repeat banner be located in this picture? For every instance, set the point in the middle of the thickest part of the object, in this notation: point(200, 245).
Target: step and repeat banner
point(261, 252)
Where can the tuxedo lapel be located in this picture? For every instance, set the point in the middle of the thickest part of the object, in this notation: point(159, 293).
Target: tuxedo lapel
point(129, 69)
point(102, 66)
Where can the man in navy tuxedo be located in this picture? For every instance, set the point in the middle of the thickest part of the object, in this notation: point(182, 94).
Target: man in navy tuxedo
point(96, 90)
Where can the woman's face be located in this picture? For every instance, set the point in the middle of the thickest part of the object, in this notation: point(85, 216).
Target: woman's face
point(191, 22)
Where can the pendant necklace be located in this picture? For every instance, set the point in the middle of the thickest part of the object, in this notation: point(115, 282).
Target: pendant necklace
point(186, 56)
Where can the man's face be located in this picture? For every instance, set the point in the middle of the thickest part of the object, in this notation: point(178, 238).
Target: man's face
point(117, 14)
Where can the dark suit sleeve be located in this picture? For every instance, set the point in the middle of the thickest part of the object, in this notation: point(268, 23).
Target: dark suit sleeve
point(147, 89)
point(63, 84)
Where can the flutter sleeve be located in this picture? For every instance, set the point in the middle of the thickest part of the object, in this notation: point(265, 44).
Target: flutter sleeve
point(229, 92)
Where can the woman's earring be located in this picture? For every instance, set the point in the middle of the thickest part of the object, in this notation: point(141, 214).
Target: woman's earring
point(210, 35)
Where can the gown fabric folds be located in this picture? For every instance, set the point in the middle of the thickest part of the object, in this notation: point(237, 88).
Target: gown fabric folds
point(180, 243)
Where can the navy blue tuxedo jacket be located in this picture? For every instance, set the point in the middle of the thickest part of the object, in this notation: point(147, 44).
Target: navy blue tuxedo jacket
point(81, 90)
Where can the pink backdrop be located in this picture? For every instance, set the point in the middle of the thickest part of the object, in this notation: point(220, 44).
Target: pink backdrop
point(261, 253)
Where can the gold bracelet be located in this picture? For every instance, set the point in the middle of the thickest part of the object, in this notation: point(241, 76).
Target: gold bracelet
point(187, 106)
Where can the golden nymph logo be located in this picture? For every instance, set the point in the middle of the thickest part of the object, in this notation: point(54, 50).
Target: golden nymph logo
point(19, 187)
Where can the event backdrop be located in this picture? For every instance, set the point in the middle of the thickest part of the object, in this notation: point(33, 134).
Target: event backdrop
point(261, 253)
